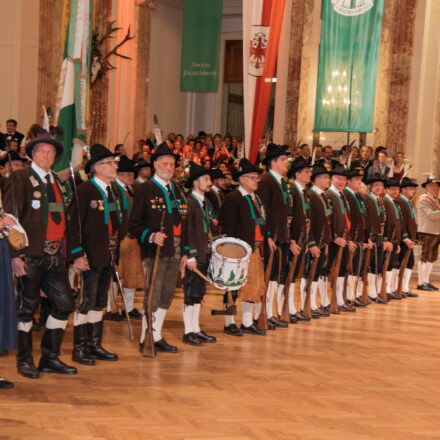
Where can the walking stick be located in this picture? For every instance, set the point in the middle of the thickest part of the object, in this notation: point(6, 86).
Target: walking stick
point(149, 350)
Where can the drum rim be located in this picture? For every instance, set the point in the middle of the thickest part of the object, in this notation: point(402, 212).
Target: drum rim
point(221, 240)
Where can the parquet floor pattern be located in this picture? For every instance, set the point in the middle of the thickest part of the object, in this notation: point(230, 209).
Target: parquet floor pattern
point(373, 374)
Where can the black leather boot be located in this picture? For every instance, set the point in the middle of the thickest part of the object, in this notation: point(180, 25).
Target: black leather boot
point(80, 352)
point(25, 361)
point(94, 343)
point(50, 350)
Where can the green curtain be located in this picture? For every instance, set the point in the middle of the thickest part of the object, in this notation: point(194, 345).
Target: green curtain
point(347, 71)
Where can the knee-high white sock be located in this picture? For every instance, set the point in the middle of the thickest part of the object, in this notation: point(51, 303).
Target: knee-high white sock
point(280, 298)
point(257, 308)
point(389, 280)
point(144, 328)
point(158, 319)
point(53, 323)
point(79, 318)
point(421, 272)
point(351, 280)
point(395, 280)
point(247, 308)
point(428, 268)
point(196, 318)
point(303, 291)
point(322, 285)
point(340, 290)
point(406, 279)
point(359, 288)
point(187, 312)
point(271, 289)
point(129, 298)
point(292, 308)
point(94, 316)
point(372, 288)
point(313, 291)
point(229, 319)
point(24, 326)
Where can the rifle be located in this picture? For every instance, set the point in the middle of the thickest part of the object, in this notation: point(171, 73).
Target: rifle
point(124, 306)
point(350, 265)
point(148, 349)
point(334, 271)
point(383, 286)
point(285, 315)
point(262, 319)
point(307, 310)
point(364, 298)
point(402, 271)
point(14, 199)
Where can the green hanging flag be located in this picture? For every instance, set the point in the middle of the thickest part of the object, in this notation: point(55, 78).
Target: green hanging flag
point(202, 25)
point(347, 71)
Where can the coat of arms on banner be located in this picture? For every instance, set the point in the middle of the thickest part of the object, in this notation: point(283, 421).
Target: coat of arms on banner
point(257, 49)
point(352, 7)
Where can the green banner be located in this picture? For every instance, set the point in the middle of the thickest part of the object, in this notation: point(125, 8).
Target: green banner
point(202, 25)
point(348, 58)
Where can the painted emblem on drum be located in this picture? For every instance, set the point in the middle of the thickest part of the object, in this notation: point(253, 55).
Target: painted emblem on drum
point(37, 195)
point(101, 205)
point(35, 204)
point(351, 8)
point(93, 204)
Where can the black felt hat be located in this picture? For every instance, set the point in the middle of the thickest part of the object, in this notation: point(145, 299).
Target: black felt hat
point(195, 171)
point(164, 150)
point(125, 165)
point(339, 170)
point(392, 181)
point(407, 183)
point(353, 172)
point(375, 178)
point(97, 153)
point(430, 179)
point(44, 138)
point(216, 173)
point(273, 151)
point(297, 165)
point(319, 169)
point(142, 163)
point(244, 167)
point(11, 155)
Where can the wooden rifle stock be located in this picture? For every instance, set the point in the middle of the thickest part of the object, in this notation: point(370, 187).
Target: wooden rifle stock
point(262, 319)
point(334, 272)
point(307, 309)
point(386, 263)
point(285, 315)
point(402, 272)
point(149, 349)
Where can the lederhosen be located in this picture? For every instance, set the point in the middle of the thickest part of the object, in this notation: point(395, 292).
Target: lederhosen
point(46, 271)
point(340, 216)
point(197, 240)
point(358, 220)
point(320, 224)
point(409, 230)
point(376, 218)
point(101, 218)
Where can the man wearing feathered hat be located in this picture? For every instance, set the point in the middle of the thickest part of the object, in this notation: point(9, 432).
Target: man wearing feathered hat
point(153, 198)
point(428, 228)
point(36, 195)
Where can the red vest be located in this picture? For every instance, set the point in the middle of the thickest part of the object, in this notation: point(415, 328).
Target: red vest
point(56, 232)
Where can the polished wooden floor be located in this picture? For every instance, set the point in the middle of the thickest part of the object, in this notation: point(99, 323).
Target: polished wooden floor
point(374, 374)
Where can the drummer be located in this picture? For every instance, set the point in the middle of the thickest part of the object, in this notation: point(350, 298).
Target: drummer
point(196, 240)
point(242, 216)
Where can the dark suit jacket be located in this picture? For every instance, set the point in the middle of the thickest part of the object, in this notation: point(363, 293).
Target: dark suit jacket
point(358, 218)
point(320, 215)
point(339, 223)
point(300, 211)
point(376, 216)
point(394, 220)
point(215, 200)
point(409, 225)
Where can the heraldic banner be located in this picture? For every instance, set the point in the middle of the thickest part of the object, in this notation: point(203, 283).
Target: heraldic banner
point(202, 25)
point(347, 71)
point(262, 21)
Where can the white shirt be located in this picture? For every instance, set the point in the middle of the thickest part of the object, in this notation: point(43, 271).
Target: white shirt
point(140, 180)
point(277, 176)
point(333, 188)
point(299, 186)
point(126, 187)
point(215, 189)
point(161, 181)
point(102, 184)
point(199, 197)
point(41, 173)
point(318, 190)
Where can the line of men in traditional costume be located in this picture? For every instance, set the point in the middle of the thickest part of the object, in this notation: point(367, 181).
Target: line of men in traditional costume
point(270, 214)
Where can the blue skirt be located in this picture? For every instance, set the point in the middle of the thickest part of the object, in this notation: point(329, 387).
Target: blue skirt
point(8, 317)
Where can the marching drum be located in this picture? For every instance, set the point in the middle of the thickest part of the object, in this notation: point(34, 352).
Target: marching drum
point(229, 263)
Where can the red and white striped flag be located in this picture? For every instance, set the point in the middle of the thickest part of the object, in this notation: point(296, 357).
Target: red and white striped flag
point(262, 20)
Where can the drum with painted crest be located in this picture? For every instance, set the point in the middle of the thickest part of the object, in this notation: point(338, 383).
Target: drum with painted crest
point(229, 263)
